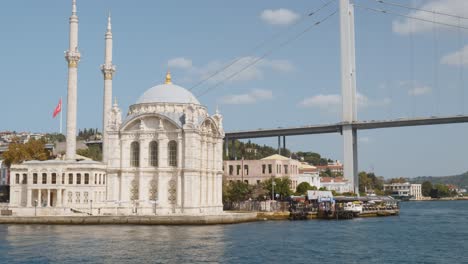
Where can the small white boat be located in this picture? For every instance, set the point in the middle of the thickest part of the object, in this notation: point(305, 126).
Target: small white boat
point(353, 207)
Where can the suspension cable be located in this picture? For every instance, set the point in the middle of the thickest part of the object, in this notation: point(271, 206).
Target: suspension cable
point(412, 81)
point(420, 9)
point(436, 64)
point(269, 52)
point(262, 44)
point(407, 16)
point(461, 68)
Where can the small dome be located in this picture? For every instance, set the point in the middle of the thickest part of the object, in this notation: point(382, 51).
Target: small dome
point(168, 93)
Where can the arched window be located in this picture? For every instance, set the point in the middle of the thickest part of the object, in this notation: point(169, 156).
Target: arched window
point(135, 154)
point(172, 153)
point(153, 153)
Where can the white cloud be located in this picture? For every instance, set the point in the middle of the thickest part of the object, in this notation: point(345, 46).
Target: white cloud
point(240, 69)
point(322, 101)
point(280, 16)
point(414, 88)
point(332, 102)
point(243, 69)
point(364, 139)
point(419, 90)
point(362, 100)
point(457, 7)
point(278, 65)
point(180, 62)
point(456, 58)
point(248, 98)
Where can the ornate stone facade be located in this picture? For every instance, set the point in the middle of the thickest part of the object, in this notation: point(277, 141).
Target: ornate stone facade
point(187, 174)
point(164, 157)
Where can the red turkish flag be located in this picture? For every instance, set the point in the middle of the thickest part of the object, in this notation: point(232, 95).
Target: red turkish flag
point(58, 109)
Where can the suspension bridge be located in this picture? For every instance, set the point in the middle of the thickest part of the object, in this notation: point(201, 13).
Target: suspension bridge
point(349, 125)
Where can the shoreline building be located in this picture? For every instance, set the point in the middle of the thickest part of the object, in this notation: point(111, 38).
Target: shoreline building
point(309, 174)
point(274, 166)
point(334, 167)
point(164, 157)
point(256, 171)
point(4, 183)
point(338, 184)
point(4, 175)
point(405, 189)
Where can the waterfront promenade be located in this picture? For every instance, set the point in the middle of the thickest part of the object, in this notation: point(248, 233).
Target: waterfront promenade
point(225, 218)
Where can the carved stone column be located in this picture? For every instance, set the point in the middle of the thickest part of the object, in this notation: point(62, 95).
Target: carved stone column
point(48, 198)
point(59, 198)
point(209, 174)
point(163, 150)
point(28, 197)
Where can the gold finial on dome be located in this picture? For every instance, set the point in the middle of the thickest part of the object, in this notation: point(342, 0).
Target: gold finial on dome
point(168, 78)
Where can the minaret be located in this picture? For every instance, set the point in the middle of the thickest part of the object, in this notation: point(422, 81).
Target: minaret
point(73, 57)
point(108, 71)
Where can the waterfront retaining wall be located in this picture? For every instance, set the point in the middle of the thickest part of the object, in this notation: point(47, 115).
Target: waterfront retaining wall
point(225, 218)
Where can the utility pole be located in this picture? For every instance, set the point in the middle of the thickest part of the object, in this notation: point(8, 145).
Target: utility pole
point(242, 168)
point(273, 183)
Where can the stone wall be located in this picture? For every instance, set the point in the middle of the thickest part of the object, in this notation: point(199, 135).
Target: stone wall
point(224, 218)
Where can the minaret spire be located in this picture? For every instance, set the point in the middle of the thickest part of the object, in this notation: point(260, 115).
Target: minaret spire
point(108, 70)
point(109, 23)
point(72, 56)
point(74, 7)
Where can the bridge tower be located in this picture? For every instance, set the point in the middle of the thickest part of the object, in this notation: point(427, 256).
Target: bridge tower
point(348, 93)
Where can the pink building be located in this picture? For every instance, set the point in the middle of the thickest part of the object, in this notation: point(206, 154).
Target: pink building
point(256, 171)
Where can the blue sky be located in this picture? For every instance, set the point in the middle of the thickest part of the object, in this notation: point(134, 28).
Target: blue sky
point(298, 84)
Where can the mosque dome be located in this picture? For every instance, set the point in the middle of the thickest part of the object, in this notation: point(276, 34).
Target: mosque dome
point(168, 93)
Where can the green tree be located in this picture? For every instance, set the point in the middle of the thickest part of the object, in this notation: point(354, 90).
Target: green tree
point(310, 157)
point(282, 187)
point(326, 173)
point(369, 181)
point(31, 150)
point(54, 137)
point(303, 187)
point(442, 190)
point(88, 134)
point(93, 152)
point(398, 180)
point(426, 188)
point(237, 192)
point(363, 181)
point(251, 151)
point(259, 192)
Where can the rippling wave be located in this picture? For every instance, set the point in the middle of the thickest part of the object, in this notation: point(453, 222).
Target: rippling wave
point(425, 232)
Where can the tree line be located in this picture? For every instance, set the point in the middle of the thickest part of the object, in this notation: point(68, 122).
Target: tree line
point(18, 152)
point(437, 190)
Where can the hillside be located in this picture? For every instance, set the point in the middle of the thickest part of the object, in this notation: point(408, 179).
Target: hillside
point(252, 151)
point(459, 180)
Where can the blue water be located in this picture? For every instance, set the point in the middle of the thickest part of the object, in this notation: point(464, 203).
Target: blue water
point(425, 232)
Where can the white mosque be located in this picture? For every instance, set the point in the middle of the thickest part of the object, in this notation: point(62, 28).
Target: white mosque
point(164, 157)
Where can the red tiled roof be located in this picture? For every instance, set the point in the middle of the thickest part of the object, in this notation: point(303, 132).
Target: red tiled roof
point(329, 166)
point(330, 179)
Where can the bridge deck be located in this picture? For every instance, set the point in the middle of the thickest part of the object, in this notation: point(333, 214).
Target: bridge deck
point(337, 128)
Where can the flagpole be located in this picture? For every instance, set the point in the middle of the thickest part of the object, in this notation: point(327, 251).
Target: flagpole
point(60, 115)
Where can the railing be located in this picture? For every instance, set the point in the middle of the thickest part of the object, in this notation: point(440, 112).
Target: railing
point(257, 206)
